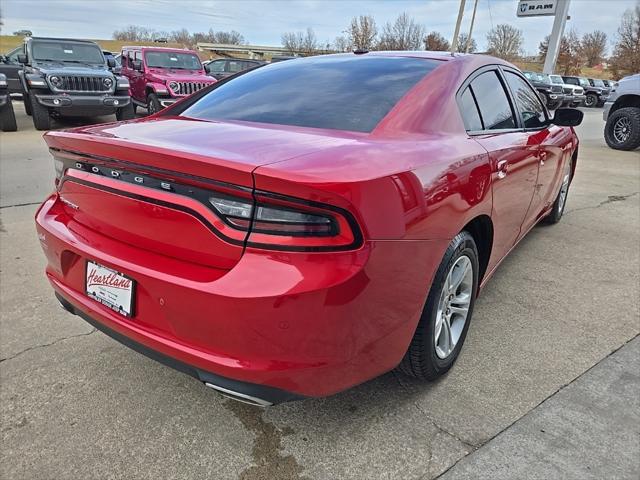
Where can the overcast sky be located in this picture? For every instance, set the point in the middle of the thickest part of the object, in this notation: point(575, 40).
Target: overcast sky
point(263, 21)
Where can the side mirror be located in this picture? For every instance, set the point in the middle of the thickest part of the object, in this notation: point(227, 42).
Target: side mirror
point(137, 65)
point(22, 58)
point(111, 62)
point(568, 117)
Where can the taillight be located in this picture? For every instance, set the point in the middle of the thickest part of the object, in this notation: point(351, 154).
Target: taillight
point(283, 223)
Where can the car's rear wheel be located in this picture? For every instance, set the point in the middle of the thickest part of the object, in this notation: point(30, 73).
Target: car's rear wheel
point(591, 100)
point(560, 202)
point(153, 104)
point(445, 319)
point(41, 118)
point(8, 118)
point(622, 130)
point(125, 113)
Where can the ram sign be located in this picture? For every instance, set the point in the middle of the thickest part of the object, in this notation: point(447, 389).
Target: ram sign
point(534, 8)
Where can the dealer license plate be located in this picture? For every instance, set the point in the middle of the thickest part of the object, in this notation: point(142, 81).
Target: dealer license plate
point(111, 288)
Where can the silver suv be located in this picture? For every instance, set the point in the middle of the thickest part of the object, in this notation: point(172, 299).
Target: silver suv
point(622, 114)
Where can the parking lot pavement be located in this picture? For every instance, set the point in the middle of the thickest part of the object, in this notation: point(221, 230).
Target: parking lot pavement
point(76, 404)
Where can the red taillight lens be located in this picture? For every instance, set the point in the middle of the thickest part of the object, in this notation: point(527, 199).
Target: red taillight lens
point(288, 224)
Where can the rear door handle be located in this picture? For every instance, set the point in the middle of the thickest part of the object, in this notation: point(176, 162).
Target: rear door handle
point(503, 166)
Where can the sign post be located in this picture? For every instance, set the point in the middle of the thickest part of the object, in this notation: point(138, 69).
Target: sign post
point(562, 10)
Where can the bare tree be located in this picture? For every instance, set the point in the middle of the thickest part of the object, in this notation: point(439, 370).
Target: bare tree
point(593, 47)
point(230, 38)
point(505, 41)
point(435, 42)
point(570, 58)
point(134, 33)
point(300, 42)
point(462, 44)
point(626, 53)
point(181, 36)
point(403, 34)
point(362, 32)
point(342, 44)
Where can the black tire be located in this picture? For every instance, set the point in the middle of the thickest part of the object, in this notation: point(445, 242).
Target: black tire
point(153, 104)
point(8, 118)
point(41, 118)
point(27, 103)
point(421, 360)
point(560, 203)
point(629, 140)
point(591, 100)
point(125, 113)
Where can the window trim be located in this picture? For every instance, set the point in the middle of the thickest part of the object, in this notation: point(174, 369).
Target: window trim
point(516, 115)
point(511, 93)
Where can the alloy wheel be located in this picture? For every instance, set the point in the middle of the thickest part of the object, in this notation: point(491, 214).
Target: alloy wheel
point(622, 129)
point(453, 307)
point(564, 189)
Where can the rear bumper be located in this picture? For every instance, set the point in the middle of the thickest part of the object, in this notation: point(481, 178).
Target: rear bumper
point(294, 323)
point(250, 393)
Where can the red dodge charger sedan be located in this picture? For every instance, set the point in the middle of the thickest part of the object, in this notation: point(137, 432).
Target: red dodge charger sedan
point(301, 228)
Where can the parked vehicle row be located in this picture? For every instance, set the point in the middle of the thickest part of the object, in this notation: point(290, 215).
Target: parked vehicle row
point(59, 77)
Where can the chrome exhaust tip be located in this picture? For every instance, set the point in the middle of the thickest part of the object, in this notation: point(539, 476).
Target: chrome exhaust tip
point(239, 397)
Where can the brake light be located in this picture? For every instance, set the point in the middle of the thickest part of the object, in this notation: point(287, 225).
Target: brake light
point(282, 223)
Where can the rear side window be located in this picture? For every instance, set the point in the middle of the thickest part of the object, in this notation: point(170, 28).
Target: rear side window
point(469, 111)
point(333, 92)
point(527, 101)
point(493, 102)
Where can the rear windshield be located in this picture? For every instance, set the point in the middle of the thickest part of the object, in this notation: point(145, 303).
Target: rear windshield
point(334, 92)
point(180, 61)
point(66, 52)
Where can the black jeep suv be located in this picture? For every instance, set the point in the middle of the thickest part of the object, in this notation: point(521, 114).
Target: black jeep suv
point(64, 77)
point(550, 93)
point(595, 96)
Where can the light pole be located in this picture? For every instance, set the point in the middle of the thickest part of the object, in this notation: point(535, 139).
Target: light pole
point(454, 42)
point(562, 10)
point(473, 19)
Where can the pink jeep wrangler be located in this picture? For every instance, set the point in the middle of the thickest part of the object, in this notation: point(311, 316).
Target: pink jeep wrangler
point(160, 76)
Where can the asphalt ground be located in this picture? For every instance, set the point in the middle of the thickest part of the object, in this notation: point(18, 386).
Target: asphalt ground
point(547, 385)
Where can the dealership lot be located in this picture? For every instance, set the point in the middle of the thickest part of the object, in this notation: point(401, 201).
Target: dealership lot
point(528, 386)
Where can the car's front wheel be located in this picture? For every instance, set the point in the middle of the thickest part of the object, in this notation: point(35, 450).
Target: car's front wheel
point(591, 100)
point(560, 202)
point(27, 103)
point(40, 114)
point(126, 113)
point(445, 319)
point(622, 130)
point(153, 104)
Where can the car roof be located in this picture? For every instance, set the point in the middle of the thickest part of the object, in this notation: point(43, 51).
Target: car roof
point(54, 39)
point(161, 49)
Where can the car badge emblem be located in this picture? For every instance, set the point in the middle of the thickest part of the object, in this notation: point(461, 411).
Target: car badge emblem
point(138, 179)
point(165, 185)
